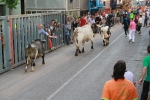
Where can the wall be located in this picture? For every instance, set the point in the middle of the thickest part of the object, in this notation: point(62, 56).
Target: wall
point(107, 3)
point(45, 4)
point(84, 4)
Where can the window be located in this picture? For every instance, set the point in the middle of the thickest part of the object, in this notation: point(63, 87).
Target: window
point(2, 11)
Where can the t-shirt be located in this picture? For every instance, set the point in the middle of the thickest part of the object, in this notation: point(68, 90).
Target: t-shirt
point(131, 15)
point(140, 20)
point(146, 63)
point(83, 21)
point(67, 31)
point(92, 21)
point(126, 21)
point(136, 19)
point(132, 25)
point(119, 90)
point(140, 12)
point(130, 76)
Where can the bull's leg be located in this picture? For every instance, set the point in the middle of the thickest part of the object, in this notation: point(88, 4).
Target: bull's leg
point(26, 65)
point(33, 63)
point(43, 61)
point(103, 43)
point(92, 44)
point(32, 69)
point(83, 44)
point(35, 58)
point(26, 68)
point(83, 50)
point(108, 40)
point(76, 53)
point(79, 50)
point(79, 43)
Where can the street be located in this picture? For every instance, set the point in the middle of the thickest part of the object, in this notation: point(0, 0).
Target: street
point(68, 77)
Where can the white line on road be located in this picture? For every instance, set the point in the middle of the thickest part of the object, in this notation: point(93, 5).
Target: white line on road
point(66, 83)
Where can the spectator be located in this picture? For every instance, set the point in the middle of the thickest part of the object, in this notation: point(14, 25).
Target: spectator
point(93, 24)
point(67, 32)
point(71, 19)
point(140, 24)
point(131, 15)
point(74, 24)
point(52, 28)
point(110, 19)
point(56, 26)
point(50, 45)
point(128, 74)
point(119, 88)
point(136, 18)
point(97, 18)
point(132, 31)
point(41, 31)
point(82, 21)
point(140, 11)
point(145, 71)
point(126, 22)
point(146, 18)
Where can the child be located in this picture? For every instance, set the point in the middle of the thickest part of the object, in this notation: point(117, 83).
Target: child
point(67, 32)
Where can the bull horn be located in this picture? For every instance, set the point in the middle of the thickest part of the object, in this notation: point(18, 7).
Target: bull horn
point(99, 26)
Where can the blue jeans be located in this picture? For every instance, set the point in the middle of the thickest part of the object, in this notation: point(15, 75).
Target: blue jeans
point(68, 39)
point(145, 22)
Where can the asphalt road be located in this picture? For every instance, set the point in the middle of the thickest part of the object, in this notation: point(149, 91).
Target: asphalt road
point(67, 77)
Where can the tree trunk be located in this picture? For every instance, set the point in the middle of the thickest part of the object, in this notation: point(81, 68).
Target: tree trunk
point(10, 11)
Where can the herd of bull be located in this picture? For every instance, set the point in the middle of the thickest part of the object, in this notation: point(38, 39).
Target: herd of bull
point(81, 35)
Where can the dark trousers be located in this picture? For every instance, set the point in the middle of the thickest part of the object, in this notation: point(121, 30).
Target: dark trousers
point(68, 39)
point(145, 90)
point(139, 27)
point(145, 22)
point(126, 29)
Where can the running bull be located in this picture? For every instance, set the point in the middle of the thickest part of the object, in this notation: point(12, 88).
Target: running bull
point(32, 52)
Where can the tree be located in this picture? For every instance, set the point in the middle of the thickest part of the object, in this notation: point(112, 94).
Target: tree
point(11, 4)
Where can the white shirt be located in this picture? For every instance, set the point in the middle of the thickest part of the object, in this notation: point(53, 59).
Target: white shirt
point(140, 20)
point(92, 21)
point(140, 12)
point(147, 13)
point(106, 15)
point(130, 76)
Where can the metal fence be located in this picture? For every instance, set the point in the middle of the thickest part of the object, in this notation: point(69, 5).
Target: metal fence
point(5, 52)
point(19, 30)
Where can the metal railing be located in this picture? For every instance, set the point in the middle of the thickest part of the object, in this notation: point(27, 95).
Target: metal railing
point(17, 31)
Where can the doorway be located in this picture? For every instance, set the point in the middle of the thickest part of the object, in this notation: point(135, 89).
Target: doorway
point(22, 7)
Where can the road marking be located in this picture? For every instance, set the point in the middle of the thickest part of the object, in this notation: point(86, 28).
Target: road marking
point(66, 83)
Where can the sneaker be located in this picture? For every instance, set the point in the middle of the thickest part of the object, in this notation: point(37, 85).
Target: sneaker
point(51, 48)
point(130, 40)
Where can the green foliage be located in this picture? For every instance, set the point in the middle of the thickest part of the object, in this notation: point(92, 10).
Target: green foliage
point(10, 3)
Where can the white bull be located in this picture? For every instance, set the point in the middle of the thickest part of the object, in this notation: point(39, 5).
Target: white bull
point(105, 33)
point(81, 35)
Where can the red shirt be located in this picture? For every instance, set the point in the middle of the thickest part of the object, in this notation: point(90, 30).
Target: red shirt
point(83, 22)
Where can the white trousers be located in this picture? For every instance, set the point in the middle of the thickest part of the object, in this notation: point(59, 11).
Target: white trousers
point(132, 35)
